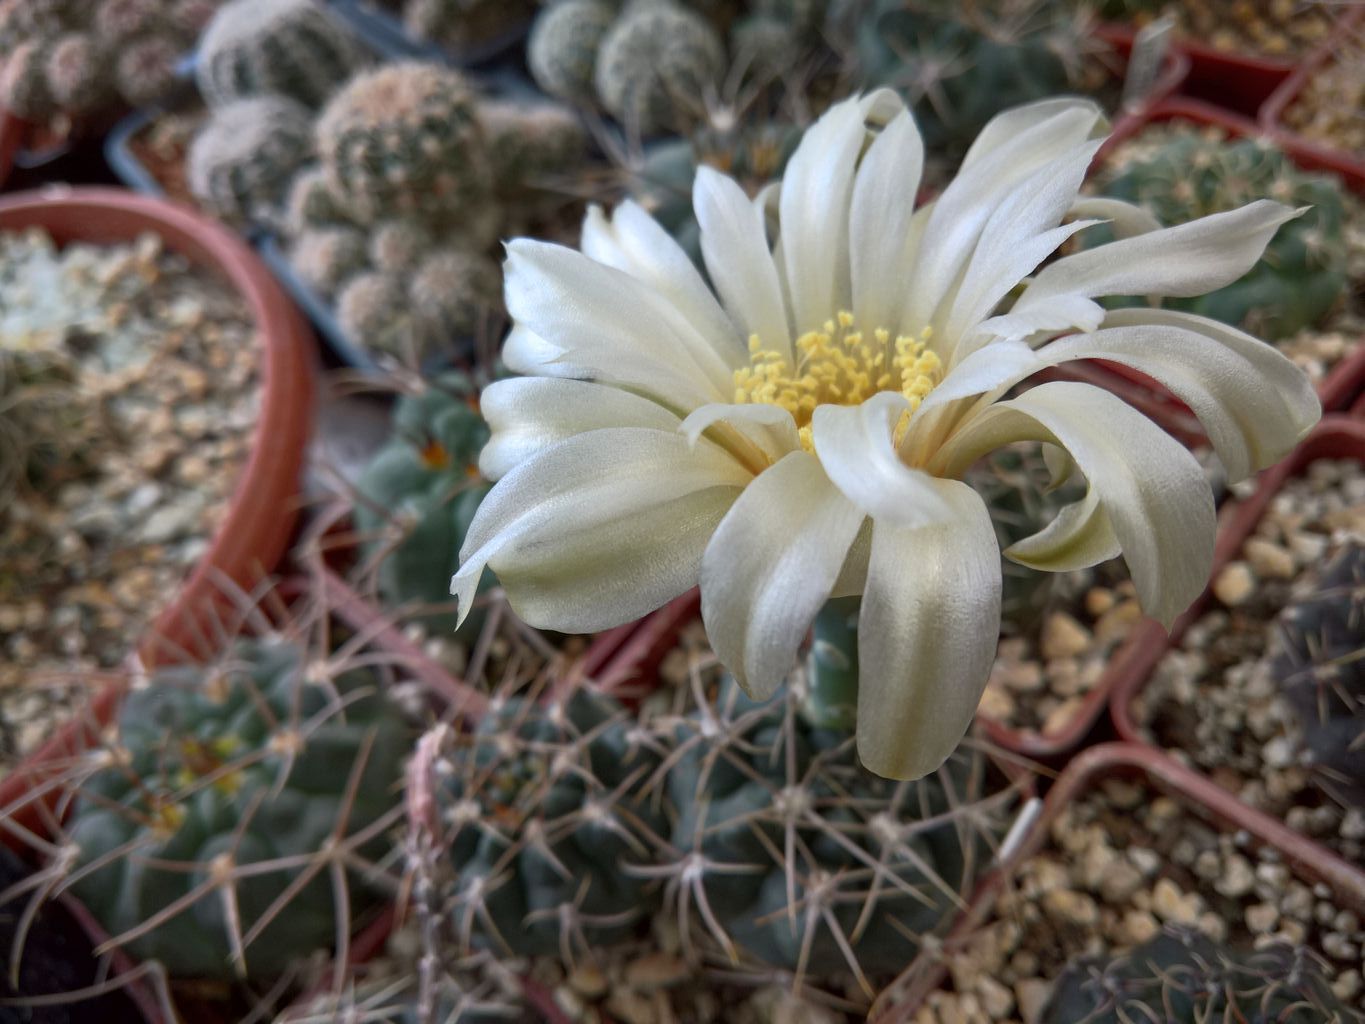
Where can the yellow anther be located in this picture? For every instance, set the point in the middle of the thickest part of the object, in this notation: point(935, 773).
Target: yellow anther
point(838, 365)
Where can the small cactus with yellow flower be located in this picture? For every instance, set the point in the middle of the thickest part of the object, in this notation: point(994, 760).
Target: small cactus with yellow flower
point(417, 496)
point(229, 825)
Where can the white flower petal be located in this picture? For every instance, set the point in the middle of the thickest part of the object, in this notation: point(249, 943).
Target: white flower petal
point(961, 212)
point(770, 567)
point(927, 635)
point(770, 428)
point(632, 241)
point(622, 330)
point(529, 414)
point(816, 189)
point(1080, 536)
point(1189, 259)
point(525, 351)
point(879, 222)
point(734, 244)
point(1151, 487)
point(1007, 126)
point(1125, 218)
point(601, 528)
point(855, 447)
point(1255, 404)
point(1021, 232)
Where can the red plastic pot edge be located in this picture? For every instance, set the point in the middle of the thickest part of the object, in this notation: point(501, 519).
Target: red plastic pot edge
point(901, 1000)
point(255, 531)
point(1235, 81)
point(12, 132)
point(1335, 437)
point(1175, 65)
point(1271, 115)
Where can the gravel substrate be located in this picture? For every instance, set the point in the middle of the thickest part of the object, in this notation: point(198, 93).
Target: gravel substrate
point(1119, 863)
point(1215, 703)
point(159, 367)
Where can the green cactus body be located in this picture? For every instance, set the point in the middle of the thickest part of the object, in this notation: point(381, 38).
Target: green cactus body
point(405, 141)
point(464, 24)
point(310, 203)
point(419, 494)
point(222, 773)
point(807, 860)
point(1181, 977)
point(562, 49)
point(1322, 673)
point(290, 48)
point(397, 246)
point(959, 75)
point(531, 143)
point(328, 257)
point(77, 73)
point(189, 18)
point(243, 159)
point(656, 66)
point(543, 824)
point(24, 88)
point(1302, 276)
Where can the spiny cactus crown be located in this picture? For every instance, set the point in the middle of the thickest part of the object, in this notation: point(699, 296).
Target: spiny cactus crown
point(242, 160)
point(562, 49)
point(1182, 977)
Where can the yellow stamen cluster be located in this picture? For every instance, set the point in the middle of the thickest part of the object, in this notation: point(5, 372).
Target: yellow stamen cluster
point(838, 365)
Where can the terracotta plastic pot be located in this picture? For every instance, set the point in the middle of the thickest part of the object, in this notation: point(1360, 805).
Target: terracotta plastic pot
point(12, 131)
point(254, 533)
point(1342, 383)
point(902, 1000)
point(1351, 166)
point(1336, 437)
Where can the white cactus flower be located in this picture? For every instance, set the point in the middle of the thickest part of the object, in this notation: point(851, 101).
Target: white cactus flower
point(802, 432)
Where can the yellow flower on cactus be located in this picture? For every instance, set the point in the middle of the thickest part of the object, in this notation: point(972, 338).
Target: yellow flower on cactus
point(801, 432)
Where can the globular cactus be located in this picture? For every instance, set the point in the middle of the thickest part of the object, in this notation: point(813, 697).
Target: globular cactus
point(464, 24)
point(216, 831)
point(310, 203)
point(797, 854)
point(418, 495)
point(146, 69)
point(1182, 977)
point(241, 162)
point(290, 48)
point(77, 73)
point(328, 257)
point(962, 66)
point(541, 813)
point(397, 246)
point(189, 18)
point(49, 424)
point(374, 312)
point(117, 21)
point(562, 49)
point(656, 67)
point(531, 143)
point(764, 46)
point(405, 140)
point(1303, 274)
point(24, 88)
point(1321, 671)
point(453, 292)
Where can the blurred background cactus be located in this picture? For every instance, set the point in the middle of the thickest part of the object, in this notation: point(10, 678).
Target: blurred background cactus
point(241, 162)
point(234, 821)
point(1181, 176)
point(1182, 977)
point(61, 60)
point(462, 26)
point(1321, 671)
point(415, 499)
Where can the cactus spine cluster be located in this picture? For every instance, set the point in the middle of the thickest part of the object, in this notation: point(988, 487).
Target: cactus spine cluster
point(84, 59)
point(1322, 674)
point(1303, 273)
point(289, 48)
point(562, 49)
point(541, 812)
point(214, 833)
point(241, 162)
point(1182, 977)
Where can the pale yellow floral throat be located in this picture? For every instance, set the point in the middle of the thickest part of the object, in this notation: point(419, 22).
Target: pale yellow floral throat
point(838, 365)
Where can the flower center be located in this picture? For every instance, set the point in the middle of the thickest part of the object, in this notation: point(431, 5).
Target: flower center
point(838, 365)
